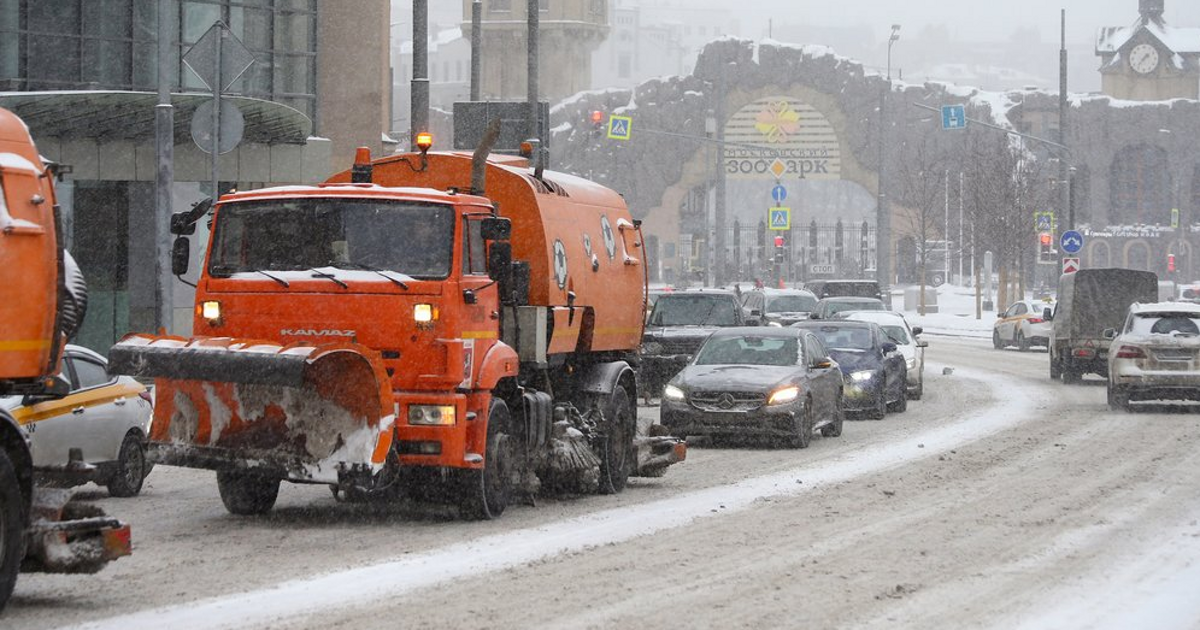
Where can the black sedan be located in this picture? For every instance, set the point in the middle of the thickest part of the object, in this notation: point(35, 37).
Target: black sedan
point(875, 371)
point(756, 382)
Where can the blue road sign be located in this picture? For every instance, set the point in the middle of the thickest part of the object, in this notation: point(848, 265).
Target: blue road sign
point(779, 218)
point(620, 127)
point(1071, 241)
point(954, 117)
point(779, 193)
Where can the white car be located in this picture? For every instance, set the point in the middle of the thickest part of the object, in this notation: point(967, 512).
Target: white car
point(905, 338)
point(1023, 325)
point(106, 417)
point(1155, 355)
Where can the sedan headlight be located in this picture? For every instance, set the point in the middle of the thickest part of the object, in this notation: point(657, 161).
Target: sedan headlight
point(652, 347)
point(431, 414)
point(670, 392)
point(785, 395)
point(912, 363)
point(862, 375)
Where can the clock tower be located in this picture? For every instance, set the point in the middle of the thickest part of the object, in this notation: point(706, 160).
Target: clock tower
point(1149, 60)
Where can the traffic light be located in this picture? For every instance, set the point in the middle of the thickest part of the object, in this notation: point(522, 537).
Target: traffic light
point(1044, 243)
point(597, 123)
point(779, 250)
point(1170, 263)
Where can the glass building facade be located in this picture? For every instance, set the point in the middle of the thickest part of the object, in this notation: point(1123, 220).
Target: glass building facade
point(48, 45)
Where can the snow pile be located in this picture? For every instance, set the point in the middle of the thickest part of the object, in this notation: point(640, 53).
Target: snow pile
point(955, 316)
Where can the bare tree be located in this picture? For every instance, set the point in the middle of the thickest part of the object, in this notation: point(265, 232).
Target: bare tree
point(921, 190)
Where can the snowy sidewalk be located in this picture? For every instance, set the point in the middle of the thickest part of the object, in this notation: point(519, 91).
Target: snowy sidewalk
point(955, 316)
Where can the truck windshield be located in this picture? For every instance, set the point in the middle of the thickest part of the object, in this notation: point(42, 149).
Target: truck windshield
point(300, 234)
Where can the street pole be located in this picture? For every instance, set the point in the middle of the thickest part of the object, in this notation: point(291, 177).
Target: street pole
point(946, 229)
point(164, 140)
point(719, 210)
point(1062, 120)
point(883, 219)
point(476, 47)
point(961, 247)
point(419, 100)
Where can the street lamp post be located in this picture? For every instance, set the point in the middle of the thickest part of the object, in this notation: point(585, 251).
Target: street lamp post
point(883, 219)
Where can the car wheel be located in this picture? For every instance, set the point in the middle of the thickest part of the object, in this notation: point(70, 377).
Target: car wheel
point(12, 530)
point(996, 343)
point(247, 494)
point(880, 409)
point(487, 490)
point(901, 403)
point(919, 391)
point(618, 457)
point(804, 428)
point(1022, 342)
point(131, 468)
point(834, 428)
point(1118, 400)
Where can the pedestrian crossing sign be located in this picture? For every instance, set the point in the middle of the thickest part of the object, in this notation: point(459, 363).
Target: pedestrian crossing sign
point(779, 218)
point(620, 127)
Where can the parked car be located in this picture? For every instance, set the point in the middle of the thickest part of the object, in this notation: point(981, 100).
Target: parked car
point(1090, 301)
point(106, 417)
point(757, 382)
point(1155, 355)
point(828, 307)
point(845, 288)
point(677, 326)
point(781, 307)
point(1023, 325)
point(905, 337)
point(874, 371)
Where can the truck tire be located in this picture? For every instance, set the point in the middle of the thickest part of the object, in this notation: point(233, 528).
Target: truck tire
point(1055, 368)
point(126, 480)
point(247, 494)
point(12, 534)
point(618, 454)
point(486, 491)
point(1070, 374)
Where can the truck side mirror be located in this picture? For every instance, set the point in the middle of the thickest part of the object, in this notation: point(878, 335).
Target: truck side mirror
point(495, 229)
point(1047, 314)
point(499, 266)
point(1109, 333)
point(181, 251)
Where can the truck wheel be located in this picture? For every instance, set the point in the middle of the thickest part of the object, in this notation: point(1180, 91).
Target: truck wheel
point(12, 534)
point(1071, 375)
point(131, 469)
point(486, 491)
point(247, 494)
point(1055, 368)
point(618, 455)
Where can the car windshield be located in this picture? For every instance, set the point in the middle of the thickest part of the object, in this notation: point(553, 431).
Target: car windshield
point(749, 350)
point(1164, 323)
point(895, 333)
point(300, 234)
point(845, 337)
point(791, 304)
point(694, 310)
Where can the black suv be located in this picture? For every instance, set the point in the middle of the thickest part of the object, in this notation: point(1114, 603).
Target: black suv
point(678, 325)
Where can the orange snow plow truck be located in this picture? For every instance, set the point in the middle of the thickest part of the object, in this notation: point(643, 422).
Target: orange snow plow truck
point(42, 298)
point(395, 332)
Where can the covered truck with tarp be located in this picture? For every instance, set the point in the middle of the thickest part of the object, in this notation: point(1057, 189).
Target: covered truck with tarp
point(1088, 302)
point(432, 325)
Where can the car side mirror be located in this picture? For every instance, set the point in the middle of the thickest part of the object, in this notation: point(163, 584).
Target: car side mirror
point(181, 251)
point(822, 364)
point(1047, 314)
point(917, 330)
point(1109, 333)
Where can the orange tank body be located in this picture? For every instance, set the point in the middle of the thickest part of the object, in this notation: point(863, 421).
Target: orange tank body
point(28, 257)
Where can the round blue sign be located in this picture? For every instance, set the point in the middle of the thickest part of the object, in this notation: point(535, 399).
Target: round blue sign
point(779, 193)
point(1071, 241)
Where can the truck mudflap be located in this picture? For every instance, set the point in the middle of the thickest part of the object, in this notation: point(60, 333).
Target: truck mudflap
point(657, 451)
point(66, 536)
point(297, 412)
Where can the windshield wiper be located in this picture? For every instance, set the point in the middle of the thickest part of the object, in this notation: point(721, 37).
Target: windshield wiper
point(275, 278)
point(353, 265)
point(321, 274)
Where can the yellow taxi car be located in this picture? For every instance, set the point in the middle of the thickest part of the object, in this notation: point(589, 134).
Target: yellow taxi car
point(1023, 325)
point(106, 417)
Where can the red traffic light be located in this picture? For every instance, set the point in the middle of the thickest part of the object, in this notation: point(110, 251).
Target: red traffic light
point(1044, 239)
point(597, 117)
point(1171, 262)
point(778, 241)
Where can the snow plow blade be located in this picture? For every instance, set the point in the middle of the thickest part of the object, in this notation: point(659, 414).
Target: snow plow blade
point(657, 451)
point(301, 413)
point(68, 536)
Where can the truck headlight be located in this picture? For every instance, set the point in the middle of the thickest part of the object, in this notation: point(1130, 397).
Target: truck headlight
point(862, 375)
point(670, 392)
point(431, 414)
point(424, 313)
point(785, 395)
point(211, 311)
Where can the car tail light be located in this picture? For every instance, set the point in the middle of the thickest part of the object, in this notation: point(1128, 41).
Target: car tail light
point(1130, 352)
point(1035, 320)
point(146, 397)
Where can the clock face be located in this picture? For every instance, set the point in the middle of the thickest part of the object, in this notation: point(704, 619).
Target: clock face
point(1143, 58)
